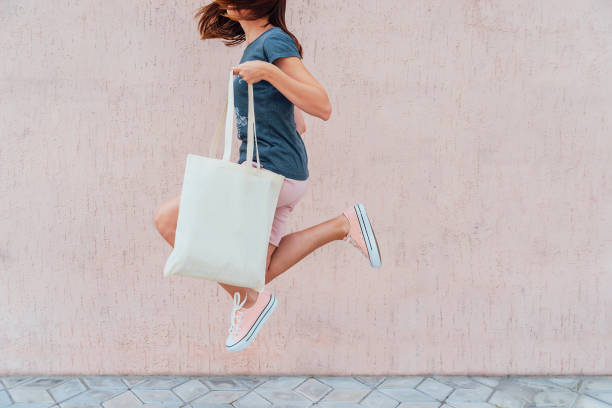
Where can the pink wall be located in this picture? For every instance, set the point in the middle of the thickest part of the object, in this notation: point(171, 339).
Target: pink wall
point(477, 133)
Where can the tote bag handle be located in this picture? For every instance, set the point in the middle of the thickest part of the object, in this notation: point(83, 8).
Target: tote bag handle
point(229, 115)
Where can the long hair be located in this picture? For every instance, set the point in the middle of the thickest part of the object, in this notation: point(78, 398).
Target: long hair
point(215, 23)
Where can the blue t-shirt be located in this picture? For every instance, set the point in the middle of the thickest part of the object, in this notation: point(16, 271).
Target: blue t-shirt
point(281, 148)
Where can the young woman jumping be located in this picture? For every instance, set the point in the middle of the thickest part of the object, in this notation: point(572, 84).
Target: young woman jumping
point(282, 88)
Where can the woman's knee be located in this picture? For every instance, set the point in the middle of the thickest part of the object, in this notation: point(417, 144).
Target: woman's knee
point(270, 273)
point(160, 219)
point(165, 216)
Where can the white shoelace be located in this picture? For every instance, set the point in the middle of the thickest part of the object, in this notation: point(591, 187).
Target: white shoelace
point(237, 314)
point(352, 242)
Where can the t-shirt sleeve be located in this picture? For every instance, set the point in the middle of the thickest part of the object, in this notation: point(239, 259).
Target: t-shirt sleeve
point(277, 46)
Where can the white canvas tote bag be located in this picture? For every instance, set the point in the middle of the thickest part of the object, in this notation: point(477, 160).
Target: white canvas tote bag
point(226, 212)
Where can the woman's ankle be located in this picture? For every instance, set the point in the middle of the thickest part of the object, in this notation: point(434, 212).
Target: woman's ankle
point(345, 226)
point(251, 298)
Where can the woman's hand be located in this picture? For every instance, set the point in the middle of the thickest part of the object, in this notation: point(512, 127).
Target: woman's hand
point(252, 71)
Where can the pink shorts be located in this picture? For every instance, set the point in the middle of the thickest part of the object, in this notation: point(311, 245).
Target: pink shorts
point(291, 192)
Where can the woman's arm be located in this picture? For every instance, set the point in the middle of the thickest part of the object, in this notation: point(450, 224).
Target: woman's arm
point(299, 120)
point(292, 79)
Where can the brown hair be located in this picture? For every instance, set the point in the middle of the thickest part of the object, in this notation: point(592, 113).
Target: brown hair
point(215, 23)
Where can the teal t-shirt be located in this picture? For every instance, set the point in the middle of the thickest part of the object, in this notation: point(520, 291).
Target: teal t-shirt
point(281, 148)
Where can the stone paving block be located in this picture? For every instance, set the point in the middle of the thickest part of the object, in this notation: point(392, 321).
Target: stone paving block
point(281, 397)
point(568, 382)
point(408, 395)
point(283, 383)
point(219, 397)
point(157, 396)
point(306, 391)
point(324, 404)
point(599, 387)
point(456, 381)
point(596, 384)
point(603, 396)
point(132, 380)
point(470, 405)
point(371, 380)
point(22, 393)
point(162, 382)
point(537, 383)
point(190, 390)
point(5, 399)
point(505, 400)
point(225, 383)
point(560, 399)
point(476, 394)
point(347, 383)
point(517, 390)
point(126, 399)
point(490, 381)
point(252, 400)
point(251, 381)
point(434, 389)
point(346, 395)
point(401, 382)
point(12, 381)
point(466, 389)
point(538, 391)
point(161, 406)
point(209, 405)
point(46, 382)
point(90, 398)
point(313, 389)
point(67, 389)
point(584, 401)
point(377, 399)
point(104, 382)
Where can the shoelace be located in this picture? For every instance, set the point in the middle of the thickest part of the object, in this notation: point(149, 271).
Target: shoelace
point(237, 314)
point(349, 240)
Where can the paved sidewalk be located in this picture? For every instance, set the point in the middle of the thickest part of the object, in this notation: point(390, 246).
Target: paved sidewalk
point(306, 391)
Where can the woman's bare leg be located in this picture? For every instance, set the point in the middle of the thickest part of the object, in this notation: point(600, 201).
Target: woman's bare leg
point(165, 221)
point(291, 249)
point(295, 246)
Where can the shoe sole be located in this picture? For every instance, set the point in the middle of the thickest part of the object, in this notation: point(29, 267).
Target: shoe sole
point(250, 336)
point(368, 234)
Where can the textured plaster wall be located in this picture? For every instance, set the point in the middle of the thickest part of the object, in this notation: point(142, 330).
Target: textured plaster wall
point(477, 133)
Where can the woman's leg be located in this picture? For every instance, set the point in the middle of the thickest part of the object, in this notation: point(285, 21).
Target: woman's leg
point(166, 217)
point(295, 246)
point(165, 222)
point(251, 294)
point(291, 249)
